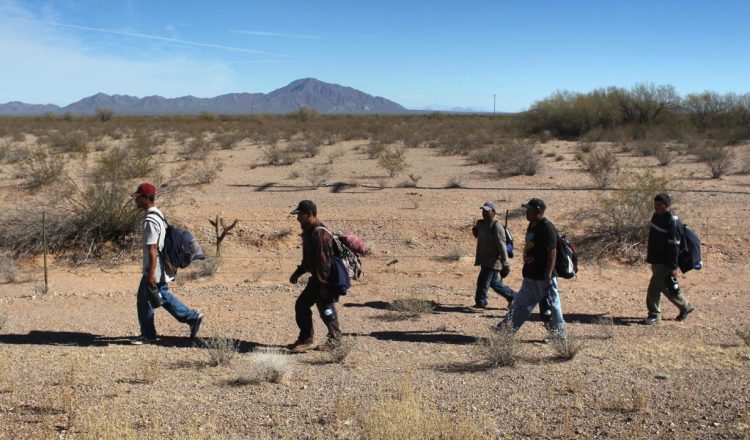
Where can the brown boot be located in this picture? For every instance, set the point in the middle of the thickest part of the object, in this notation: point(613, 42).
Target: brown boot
point(301, 346)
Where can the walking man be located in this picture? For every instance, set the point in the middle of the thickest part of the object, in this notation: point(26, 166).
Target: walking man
point(156, 275)
point(491, 256)
point(539, 277)
point(663, 248)
point(317, 252)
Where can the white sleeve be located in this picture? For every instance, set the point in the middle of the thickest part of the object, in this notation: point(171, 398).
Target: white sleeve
point(151, 231)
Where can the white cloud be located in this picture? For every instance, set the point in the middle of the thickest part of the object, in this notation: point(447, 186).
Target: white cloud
point(43, 65)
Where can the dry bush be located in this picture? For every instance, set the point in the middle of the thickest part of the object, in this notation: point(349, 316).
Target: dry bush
point(75, 141)
point(335, 155)
point(454, 182)
point(566, 347)
point(270, 365)
point(104, 114)
point(197, 149)
point(664, 155)
point(220, 349)
point(275, 155)
point(44, 168)
point(719, 161)
point(131, 161)
point(745, 167)
point(375, 148)
point(618, 225)
point(304, 149)
point(206, 172)
point(413, 306)
point(342, 349)
point(393, 161)
point(602, 165)
point(227, 141)
point(500, 348)
point(516, 159)
point(743, 333)
point(408, 415)
point(318, 174)
point(13, 154)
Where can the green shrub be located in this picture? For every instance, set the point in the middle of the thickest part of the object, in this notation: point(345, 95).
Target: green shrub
point(104, 114)
point(393, 161)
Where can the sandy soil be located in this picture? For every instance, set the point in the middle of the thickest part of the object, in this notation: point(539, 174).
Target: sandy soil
point(67, 369)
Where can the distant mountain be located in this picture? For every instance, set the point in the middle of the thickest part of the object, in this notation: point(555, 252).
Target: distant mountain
point(309, 92)
point(448, 109)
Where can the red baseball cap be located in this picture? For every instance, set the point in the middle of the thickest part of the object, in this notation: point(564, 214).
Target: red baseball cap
point(145, 189)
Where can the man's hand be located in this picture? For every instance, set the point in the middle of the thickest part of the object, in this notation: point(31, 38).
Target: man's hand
point(293, 279)
point(505, 271)
point(675, 272)
point(151, 279)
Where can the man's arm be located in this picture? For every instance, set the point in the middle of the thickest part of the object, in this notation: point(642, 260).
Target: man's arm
point(500, 243)
point(674, 238)
point(551, 259)
point(153, 252)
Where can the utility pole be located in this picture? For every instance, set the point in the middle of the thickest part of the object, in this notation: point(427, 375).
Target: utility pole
point(493, 105)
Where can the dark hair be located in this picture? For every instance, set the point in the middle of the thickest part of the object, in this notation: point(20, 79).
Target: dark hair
point(663, 198)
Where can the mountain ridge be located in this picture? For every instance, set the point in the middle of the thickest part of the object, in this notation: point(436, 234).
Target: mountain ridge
point(327, 98)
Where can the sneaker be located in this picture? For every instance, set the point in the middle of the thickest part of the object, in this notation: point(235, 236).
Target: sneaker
point(195, 325)
point(684, 314)
point(654, 320)
point(301, 346)
point(140, 340)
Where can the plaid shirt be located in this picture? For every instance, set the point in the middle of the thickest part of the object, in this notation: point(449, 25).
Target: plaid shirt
point(317, 251)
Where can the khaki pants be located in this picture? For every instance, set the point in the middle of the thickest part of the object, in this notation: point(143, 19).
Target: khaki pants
point(660, 274)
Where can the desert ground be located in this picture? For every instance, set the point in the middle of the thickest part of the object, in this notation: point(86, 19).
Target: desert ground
point(67, 369)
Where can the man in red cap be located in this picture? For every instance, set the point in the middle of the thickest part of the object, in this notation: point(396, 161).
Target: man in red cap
point(156, 276)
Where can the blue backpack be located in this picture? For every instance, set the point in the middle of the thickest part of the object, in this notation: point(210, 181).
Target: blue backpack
point(180, 247)
point(689, 256)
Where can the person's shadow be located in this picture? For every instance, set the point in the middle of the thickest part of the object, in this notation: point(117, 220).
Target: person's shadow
point(81, 339)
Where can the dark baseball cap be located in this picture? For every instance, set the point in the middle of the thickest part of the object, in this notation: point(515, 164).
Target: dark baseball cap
point(663, 198)
point(489, 206)
point(306, 207)
point(145, 189)
point(535, 203)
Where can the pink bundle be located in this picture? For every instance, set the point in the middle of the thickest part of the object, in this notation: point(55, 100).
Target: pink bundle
point(354, 242)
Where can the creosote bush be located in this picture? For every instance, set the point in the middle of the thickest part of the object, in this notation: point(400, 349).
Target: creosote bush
point(516, 159)
point(617, 226)
point(44, 168)
point(393, 161)
point(602, 165)
point(719, 161)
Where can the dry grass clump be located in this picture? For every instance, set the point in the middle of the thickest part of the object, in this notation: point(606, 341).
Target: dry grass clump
point(221, 349)
point(197, 149)
point(454, 182)
point(342, 349)
point(278, 156)
point(566, 347)
point(413, 306)
point(743, 333)
point(408, 415)
point(602, 165)
point(641, 399)
point(318, 174)
point(607, 326)
point(500, 348)
point(74, 141)
point(150, 371)
point(270, 365)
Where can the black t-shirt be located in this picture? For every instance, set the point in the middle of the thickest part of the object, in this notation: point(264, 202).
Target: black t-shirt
point(540, 238)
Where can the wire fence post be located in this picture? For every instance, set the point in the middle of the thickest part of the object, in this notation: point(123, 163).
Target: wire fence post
point(44, 245)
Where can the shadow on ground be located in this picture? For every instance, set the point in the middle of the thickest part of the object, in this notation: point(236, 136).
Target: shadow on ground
point(432, 337)
point(80, 339)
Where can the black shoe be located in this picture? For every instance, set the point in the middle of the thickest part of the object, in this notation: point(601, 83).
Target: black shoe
point(654, 320)
point(684, 314)
point(479, 306)
point(195, 325)
point(141, 340)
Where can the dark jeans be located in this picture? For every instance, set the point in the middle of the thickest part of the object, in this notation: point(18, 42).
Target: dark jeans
point(303, 312)
point(489, 277)
point(180, 311)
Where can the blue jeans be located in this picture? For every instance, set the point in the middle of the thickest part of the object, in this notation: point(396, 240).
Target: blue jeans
point(180, 311)
point(532, 293)
point(488, 277)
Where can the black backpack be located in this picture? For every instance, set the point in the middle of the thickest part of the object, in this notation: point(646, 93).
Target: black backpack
point(566, 264)
point(180, 247)
point(689, 255)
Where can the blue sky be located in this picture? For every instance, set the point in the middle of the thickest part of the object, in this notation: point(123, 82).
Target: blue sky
point(417, 53)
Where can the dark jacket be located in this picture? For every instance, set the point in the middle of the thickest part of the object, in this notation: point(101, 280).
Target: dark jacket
point(663, 240)
point(317, 251)
point(491, 250)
